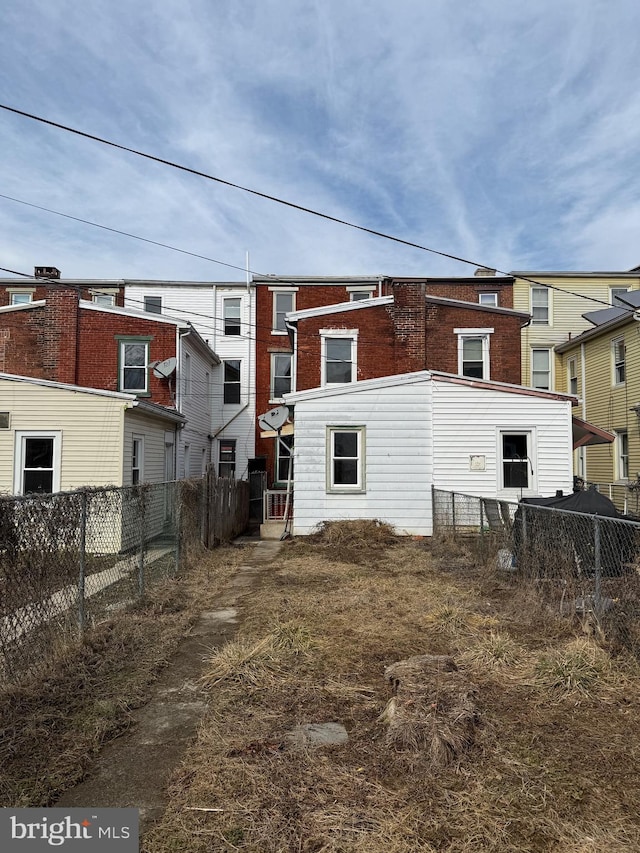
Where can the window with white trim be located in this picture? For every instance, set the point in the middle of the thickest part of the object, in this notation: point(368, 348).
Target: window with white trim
point(515, 459)
point(153, 304)
point(37, 462)
point(284, 301)
point(21, 297)
point(227, 457)
point(541, 368)
point(137, 459)
point(338, 356)
point(345, 459)
point(231, 387)
point(490, 299)
point(622, 454)
point(572, 376)
point(619, 357)
point(614, 293)
point(356, 295)
point(134, 363)
point(473, 353)
point(540, 306)
point(284, 458)
point(280, 374)
point(231, 307)
point(105, 300)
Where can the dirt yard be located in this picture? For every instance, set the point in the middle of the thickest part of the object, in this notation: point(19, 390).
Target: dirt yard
point(527, 740)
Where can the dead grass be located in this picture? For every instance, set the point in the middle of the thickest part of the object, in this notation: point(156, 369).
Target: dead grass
point(541, 750)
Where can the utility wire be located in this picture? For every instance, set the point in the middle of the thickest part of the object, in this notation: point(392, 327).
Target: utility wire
point(275, 199)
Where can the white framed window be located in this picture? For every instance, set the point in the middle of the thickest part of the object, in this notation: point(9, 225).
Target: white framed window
point(622, 454)
point(153, 304)
point(540, 306)
point(582, 462)
point(339, 356)
point(231, 307)
point(37, 458)
point(345, 459)
point(541, 368)
point(489, 298)
point(284, 458)
point(231, 388)
point(572, 376)
point(473, 352)
point(106, 300)
point(137, 459)
point(614, 293)
point(356, 294)
point(284, 301)
point(21, 297)
point(619, 357)
point(516, 467)
point(227, 457)
point(133, 374)
point(280, 374)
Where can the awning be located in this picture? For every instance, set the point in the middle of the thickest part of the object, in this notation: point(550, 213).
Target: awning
point(287, 429)
point(585, 433)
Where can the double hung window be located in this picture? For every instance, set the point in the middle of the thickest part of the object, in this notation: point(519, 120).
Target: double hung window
point(231, 388)
point(339, 356)
point(280, 375)
point(231, 311)
point(37, 462)
point(541, 369)
point(345, 459)
point(284, 301)
point(134, 363)
point(619, 361)
point(540, 306)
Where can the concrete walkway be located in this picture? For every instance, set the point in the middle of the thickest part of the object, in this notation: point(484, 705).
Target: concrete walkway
point(133, 770)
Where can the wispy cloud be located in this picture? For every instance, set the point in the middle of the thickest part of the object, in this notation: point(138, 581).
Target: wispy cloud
point(506, 132)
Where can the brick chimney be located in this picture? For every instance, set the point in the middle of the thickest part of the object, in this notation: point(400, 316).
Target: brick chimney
point(61, 329)
point(409, 314)
point(484, 271)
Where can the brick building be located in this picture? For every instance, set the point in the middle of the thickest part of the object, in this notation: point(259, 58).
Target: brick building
point(406, 328)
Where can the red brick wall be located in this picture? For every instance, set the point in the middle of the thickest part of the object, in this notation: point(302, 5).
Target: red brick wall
point(41, 290)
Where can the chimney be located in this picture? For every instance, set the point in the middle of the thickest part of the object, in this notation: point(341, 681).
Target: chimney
point(61, 329)
point(46, 272)
point(409, 314)
point(484, 271)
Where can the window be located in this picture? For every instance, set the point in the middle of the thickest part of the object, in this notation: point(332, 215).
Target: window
point(227, 457)
point(37, 462)
point(134, 361)
point(622, 454)
point(619, 359)
point(106, 300)
point(490, 299)
point(359, 294)
point(473, 352)
point(137, 459)
point(231, 313)
point(187, 461)
point(280, 375)
point(338, 356)
point(345, 457)
point(614, 293)
point(284, 457)
point(540, 306)
point(541, 369)
point(572, 374)
point(153, 304)
point(284, 301)
point(21, 297)
point(186, 378)
point(516, 464)
point(231, 393)
point(5, 420)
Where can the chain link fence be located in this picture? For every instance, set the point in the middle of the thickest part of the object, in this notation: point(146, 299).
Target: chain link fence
point(583, 566)
point(69, 561)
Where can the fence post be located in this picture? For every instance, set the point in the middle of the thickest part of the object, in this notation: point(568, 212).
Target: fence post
point(178, 521)
point(453, 510)
point(598, 566)
point(141, 522)
point(82, 567)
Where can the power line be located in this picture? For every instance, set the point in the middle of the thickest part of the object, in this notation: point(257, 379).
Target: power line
point(277, 200)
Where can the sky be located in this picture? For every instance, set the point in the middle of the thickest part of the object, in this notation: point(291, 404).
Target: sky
point(505, 132)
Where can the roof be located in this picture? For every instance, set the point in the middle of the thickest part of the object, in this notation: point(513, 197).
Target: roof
point(317, 279)
point(586, 433)
point(573, 274)
point(617, 320)
point(604, 315)
point(424, 376)
point(130, 399)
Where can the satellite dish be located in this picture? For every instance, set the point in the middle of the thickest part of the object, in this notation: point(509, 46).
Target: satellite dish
point(164, 369)
point(274, 418)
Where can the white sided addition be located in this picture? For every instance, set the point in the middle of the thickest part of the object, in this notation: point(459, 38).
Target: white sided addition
point(374, 449)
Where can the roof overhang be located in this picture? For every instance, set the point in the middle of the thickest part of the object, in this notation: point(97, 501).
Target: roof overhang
point(585, 433)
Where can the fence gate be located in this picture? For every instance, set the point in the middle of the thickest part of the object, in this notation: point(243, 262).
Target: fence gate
point(257, 486)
